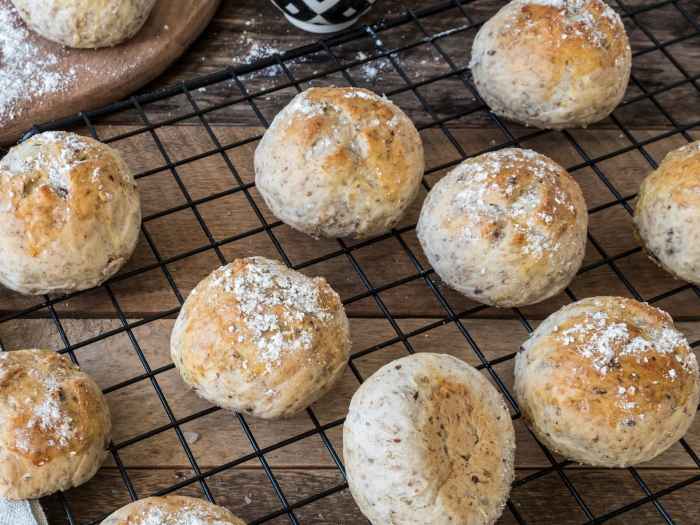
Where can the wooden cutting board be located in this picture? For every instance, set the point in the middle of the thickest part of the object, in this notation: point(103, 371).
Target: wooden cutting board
point(93, 78)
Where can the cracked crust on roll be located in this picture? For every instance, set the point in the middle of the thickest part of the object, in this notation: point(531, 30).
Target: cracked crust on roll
point(607, 381)
point(262, 339)
point(339, 162)
point(70, 214)
point(54, 425)
point(552, 63)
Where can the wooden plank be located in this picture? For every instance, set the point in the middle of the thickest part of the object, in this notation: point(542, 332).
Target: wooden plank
point(217, 438)
point(384, 262)
point(239, 25)
point(248, 493)
point(94, 78)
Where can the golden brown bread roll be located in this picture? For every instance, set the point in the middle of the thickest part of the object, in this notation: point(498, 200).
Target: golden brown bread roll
point(667, 213)
point(70, 214)
point(429, 441)
point(506, 228)
point(552, 63)
point(85, 23)
point(54, 424)
point(260, 338)
point(607, 381)
point(340, 162)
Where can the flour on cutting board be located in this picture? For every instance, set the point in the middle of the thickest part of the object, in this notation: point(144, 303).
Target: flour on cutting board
point(26, 69)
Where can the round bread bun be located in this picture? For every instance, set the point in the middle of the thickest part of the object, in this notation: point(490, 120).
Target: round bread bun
point(54, 425)
point(85, 23)
point(506, 228)
point(429, 441)
point(667, 213)
point(552, 63)
point(339, 162)
point(607, 381)
point(260, 338)
point(69, 214)
point(172, 510)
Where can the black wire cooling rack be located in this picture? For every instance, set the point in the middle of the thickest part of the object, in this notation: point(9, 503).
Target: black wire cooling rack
point(415, 25)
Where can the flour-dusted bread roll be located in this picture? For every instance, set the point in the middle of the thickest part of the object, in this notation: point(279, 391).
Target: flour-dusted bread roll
point(262, 339)
point(172, 510)
point(340, 162)
point(429, 441)
point(85, 23)
point(506, 228)
point(667, 213)
point(552, 63)
point(54, 424)
point(70, 214)
point(607, 381)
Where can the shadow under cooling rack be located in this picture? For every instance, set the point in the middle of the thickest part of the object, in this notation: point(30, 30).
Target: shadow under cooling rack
point(444, 103)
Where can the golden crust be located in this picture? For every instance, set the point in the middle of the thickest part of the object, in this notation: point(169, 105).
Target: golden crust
point(172, 510)
point(51, 412)
point(387, 153)
point(678, 177)
point(281, 338)
point(572, 44)
point(608, 381)
point(667, 213)
point(67, 184)
point(505, 228)
point(340, 162)
point(552, 64)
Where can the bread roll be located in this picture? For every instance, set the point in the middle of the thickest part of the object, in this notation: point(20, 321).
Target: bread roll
point(172, 510)
point(85, 23)
point(667, 213)
point(607, 381)
point(260, 338)
point(506, 228)
point(70, 214)
point(339, 162)
point(552, 63)
point(429, 441)
point(54, 425)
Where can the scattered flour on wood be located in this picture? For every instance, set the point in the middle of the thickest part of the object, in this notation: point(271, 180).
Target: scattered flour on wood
point(26, 70)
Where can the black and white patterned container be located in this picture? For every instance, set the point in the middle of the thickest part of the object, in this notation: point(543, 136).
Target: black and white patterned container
point(323, 16)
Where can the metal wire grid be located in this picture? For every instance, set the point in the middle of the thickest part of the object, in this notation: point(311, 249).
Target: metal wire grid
point(416, 20)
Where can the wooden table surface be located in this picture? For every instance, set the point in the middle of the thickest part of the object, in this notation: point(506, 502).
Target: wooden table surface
point(305, 467)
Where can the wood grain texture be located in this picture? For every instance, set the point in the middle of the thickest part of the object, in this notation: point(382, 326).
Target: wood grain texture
point(217, 438)
point(105, 75)
point(385, 262)
point(239, 25)
point(304, 467)
point(248, 493)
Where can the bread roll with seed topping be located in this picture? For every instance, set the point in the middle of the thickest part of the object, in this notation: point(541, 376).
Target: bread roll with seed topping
point(506, 228)
point(340, 162)
point(552, 63)
point(69, 214)
point(429, 441)
point(172, 510)
point(260, 338)
point(85, 23)
point(607, 381)
point(667, 213)
point(54, 425)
